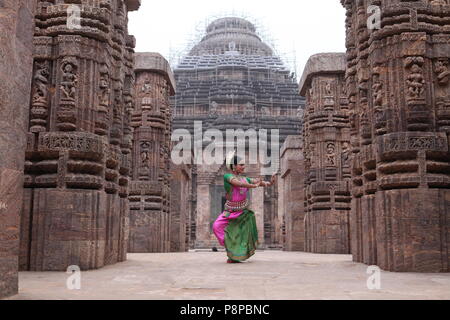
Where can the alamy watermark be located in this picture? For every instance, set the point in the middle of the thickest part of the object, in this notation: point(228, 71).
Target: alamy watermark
point(74, 280)
point(73, 17)
point(374, 280)
point(210, 147)
point(374, 20)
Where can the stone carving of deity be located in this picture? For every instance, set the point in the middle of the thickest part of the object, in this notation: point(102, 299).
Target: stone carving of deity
point(377, 88)
point(249, 109)
point(104, 86)
point(415, 82)
point(331, 155)
point(442, 71)
point(41, 79)
point(146, 149)
point(146, 87)
point(345, 154)
point(69, 81)
point(328, 90)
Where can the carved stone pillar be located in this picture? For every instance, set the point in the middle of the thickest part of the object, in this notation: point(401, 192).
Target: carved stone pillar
point(150, 187)
point(292, 193)
point(77, 164)
point(326, 151)
point(16, 59)
point(398, 82)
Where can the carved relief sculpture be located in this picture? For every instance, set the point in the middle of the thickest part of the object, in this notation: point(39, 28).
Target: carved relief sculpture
point(76, 167)
point(326, 135)
point(150, 196)
point(400, 138)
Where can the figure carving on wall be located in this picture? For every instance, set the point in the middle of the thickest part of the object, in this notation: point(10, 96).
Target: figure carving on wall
point(377, 87)
point(213, 111)
point(129, 103)
point(146, 151)
point(442, 71)
point(415, 80)
point(331, 154)
point(104, 86)
point(344, 90)
point(41, 79)
point(362, 87)
point(345, 154)
point(146, 87)
point(69, 80)
point(249, 109)
point(328, 90)
point(118, 103)
point(312, 152)
point(265, 111)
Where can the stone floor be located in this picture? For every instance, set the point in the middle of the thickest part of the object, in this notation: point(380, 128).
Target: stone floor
point(270, 275)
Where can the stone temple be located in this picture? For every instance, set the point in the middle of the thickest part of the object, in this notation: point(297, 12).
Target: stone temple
point(231, 79)
point(88, 130)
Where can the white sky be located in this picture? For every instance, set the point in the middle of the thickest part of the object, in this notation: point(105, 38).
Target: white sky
point(301, 26)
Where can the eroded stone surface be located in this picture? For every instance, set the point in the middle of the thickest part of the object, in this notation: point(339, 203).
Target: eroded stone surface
point(291, 194)
point(398, 86)
point(16, 58)
point(150, 193)
point(78, 157)
point(327, 155)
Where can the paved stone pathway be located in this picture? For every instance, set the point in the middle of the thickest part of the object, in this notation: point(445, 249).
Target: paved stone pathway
point(273, 275)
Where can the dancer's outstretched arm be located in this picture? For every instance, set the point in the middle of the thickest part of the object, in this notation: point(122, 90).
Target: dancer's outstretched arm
point(235, 182)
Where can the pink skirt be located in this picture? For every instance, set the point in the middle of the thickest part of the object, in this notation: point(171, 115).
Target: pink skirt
point(221, 224)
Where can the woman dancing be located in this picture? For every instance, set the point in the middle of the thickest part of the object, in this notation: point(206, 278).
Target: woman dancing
point(236, 226)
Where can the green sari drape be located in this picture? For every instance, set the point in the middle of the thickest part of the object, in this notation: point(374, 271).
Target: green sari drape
point(241, 237)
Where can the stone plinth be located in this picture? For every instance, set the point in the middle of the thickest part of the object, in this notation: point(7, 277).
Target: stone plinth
point(327, 155)
point(151, 120)
point(398, 86)
point(16, 60)
point(291, 191)
point(78, 157)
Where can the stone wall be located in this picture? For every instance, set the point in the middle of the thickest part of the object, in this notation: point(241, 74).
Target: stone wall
point(180, 207)
point(16, 59)
point(77, 167)
point(327, 155)
point(150, 186)
point(398, 85)
point(291, 201)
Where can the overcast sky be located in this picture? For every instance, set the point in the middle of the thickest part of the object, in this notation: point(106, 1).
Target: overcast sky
point(299, 28)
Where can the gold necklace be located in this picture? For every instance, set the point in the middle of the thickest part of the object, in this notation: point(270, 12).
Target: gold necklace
point(239, 177)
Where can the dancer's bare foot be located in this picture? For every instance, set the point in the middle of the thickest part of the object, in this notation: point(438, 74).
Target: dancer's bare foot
point(232, 261)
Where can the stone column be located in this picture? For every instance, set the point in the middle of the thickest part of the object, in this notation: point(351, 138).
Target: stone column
point(292, 193)
point(398, 83)
point(75, 208)
point(16, 59)
point(180, 207)
point(150, 189)
point(203, 220)
point(326, 150)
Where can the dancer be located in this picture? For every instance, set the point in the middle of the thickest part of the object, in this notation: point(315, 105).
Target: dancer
point(236, 226)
